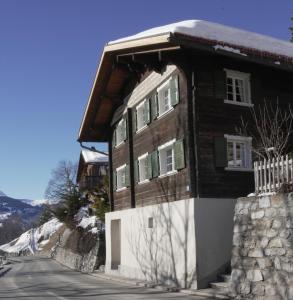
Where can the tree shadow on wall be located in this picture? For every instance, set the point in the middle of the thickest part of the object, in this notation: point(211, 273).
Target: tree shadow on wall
point(165, 230)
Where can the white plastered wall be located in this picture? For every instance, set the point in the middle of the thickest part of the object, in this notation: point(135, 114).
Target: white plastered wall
point(165, 253)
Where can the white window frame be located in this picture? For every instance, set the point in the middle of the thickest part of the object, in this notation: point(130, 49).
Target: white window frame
point(162, 149)
point(247, 152)
point(140, 115)
point(118, 179)
point(245, 77)
point(160, 90)
point(118, 129)
point(141, 160)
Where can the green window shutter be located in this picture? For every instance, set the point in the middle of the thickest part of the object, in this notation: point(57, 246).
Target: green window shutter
point(146, 112)
point(155, 164)
point(174, 90)
point(220, 84)
point(124, 128)
point(114, 180)
point(136, 171)
point(220, 151)
point(127, 179)
point(179, 159)
point(134, 119)
point(149, 166)
point(154, 106)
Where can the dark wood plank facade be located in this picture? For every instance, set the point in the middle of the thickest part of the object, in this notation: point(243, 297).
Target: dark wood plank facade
point(211, 118)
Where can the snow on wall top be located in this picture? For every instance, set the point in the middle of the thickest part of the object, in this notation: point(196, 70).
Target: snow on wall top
point(93, 157)
point(220, 33)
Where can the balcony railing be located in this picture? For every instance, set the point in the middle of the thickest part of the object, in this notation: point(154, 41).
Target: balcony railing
point(271, 175)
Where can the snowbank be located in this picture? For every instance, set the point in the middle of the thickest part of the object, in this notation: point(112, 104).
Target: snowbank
point(219, 33)
point(33, 239)
point(87, 222)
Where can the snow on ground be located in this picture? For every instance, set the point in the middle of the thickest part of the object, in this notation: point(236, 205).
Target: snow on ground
point(4, 216)
point(220, 33)
point(33, 239)
point(87, 222)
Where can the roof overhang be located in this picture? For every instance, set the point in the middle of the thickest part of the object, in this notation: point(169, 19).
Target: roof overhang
point(112, 76)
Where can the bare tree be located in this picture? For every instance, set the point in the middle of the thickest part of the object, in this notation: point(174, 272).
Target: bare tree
point(270, 127)
point(62, 181)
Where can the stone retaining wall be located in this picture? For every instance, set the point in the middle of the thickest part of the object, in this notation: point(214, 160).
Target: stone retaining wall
point(262, 256)
point(82, 258)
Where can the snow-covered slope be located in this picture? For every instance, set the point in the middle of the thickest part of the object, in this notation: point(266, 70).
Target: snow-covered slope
point(219, 33)
point(33, 239)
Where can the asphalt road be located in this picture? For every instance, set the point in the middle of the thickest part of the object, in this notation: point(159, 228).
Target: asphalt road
point(42, 278)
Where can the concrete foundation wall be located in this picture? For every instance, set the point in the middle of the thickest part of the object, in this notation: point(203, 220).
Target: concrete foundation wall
point(188, 245)
point(157, 243)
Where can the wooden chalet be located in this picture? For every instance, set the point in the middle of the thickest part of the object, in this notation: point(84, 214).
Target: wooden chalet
point(92, 169)
point(168, 102)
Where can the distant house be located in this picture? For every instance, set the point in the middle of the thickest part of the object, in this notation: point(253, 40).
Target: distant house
point(92, 168)
point(167, 101)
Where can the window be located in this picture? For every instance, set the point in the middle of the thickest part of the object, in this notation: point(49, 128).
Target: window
point(237, 88)
point(142, 115)
point(168, 95)
point(120, 132)
point(121, 177)
point(143, 168)
point(238, 152)
point(166, 158)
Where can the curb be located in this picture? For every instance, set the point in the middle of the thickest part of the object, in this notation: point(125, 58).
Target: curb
point(199, 293)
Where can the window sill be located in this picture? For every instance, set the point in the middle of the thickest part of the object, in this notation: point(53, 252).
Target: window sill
point(239, 169)
point(121, 189)
point(141, 129)
point(121, 143)
point(239, 103)
point(168, 174)
point(165, 113)
point(144, 181)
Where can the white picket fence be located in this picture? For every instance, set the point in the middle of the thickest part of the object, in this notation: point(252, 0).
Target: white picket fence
point(270, 175)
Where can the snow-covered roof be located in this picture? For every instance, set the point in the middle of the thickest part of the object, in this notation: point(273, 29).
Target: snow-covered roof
point(218, 33)
point(93, 157)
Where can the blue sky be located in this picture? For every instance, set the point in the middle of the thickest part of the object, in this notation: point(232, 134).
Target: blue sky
point(49, 51)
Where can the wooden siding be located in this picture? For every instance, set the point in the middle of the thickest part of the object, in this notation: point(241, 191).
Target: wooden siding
point(169, 188)
point(216, 118)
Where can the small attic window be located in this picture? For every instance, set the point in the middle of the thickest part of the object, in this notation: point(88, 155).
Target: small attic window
point(238, 88)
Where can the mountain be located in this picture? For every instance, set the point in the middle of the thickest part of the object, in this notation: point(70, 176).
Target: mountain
point(16, 216)
point(2, 194)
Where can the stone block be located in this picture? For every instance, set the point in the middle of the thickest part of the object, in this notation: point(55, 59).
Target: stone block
point(288, 267)
point(257, 214)
point(270, 290)
point(264, 263)
point(276, 201)
point(256, 253)
point(275, 251)
point(271, 233)
point(277, 263)
point(264, 242)
point(244, 288)
point(237, 275)
point(264, 202)
point(254, 275)
point(276, 224)
point(285, 233)
point(271, 212)
point(275, 243)
point(258, 289)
